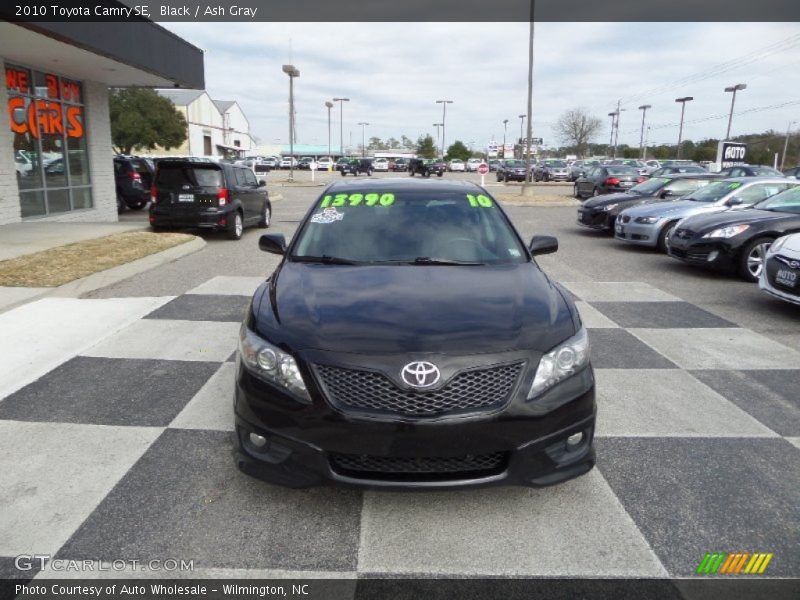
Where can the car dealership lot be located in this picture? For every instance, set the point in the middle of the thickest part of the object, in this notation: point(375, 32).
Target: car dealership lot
point(698, 435)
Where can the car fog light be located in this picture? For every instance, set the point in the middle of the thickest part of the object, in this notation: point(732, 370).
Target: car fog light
point(712, 256)
point(259, 441)
point(574, 440)
point(267, 359)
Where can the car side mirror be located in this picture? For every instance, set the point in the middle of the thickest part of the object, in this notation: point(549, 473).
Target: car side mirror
point(734, 201)
point(543, 244)
point(262, 183)
point(274, 243)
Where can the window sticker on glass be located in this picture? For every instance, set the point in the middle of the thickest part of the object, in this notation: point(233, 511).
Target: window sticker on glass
point(734, 185)
point(371, 199)
point(329, 215)
point(480, 201)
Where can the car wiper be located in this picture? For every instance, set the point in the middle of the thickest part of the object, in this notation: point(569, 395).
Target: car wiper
point(325, 259)
point(427, 260)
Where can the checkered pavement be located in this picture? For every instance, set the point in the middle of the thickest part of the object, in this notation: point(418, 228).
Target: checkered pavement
point(115, 444)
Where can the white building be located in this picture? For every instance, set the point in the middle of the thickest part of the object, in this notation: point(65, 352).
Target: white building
point(215, 127)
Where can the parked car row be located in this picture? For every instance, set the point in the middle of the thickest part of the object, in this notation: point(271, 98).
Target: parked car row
point(741, 225)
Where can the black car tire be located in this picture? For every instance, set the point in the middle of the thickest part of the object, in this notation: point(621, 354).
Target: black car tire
point(410, 173)
point(439, 174)
point(137, 205)
point(266, 217)
point(235, 227)
point(427, 173)
point(343, 173)
point(576, 193)
point(748, 257)
point(120, 204)
point(661, 244)
point(545, 177)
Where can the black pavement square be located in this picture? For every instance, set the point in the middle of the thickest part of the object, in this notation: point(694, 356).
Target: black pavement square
point(660, 315)
point(689, 496)
point(771, 396)
point(197, 307)
point(618, 349)
point(110, 391)
point(185, 498)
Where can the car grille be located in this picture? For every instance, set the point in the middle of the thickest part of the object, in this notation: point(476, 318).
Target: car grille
point(479, 389)
point(418, 467)
point(688, 256)
point(683, 234)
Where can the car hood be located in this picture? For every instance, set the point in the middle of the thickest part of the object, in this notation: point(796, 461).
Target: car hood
point(607, 199)
point(792, 243)
point(394, 309)
point(678, 209)
point(701, 223)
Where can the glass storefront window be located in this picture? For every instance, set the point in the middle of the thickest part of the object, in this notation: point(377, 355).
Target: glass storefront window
point(50, 146)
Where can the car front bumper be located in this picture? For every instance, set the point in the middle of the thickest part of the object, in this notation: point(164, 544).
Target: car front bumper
point(594, 219)
point(712, 253)
point(640, 234)
point(767, 281)
point(305, 443)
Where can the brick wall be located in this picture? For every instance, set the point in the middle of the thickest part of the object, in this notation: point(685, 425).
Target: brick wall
point(9, 196)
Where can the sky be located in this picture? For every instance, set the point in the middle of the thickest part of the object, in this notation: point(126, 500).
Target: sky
point(393, 74)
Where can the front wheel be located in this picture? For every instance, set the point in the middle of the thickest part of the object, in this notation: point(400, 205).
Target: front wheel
point(576, 193)
point(236, 227)
point(120, 204)
point(266, 217)
point(343, 173)
point(753, 258)
point(439, 174)
point(663, 237)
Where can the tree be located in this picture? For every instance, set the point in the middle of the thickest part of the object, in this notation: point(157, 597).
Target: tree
point(375, 143)
point(425, 147)
point(458, 150)
point(577, 127)
point(392, 143)
point(407, 143)
point(142, 119)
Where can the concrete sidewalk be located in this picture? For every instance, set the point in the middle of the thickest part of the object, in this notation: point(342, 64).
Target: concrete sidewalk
point(19, 239)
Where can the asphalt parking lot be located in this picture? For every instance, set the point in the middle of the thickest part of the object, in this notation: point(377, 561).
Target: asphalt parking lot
point(698, 437)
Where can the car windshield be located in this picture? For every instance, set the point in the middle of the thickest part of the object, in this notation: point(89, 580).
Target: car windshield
point(408, 227)
point(766, 172)
point(787, 201)
point(713, 191)
point(651, 186)
point(621, 170)
point(558, 164)
point(515, 163)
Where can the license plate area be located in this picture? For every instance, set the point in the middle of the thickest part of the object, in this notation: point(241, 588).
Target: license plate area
point(786, 278)
point(185, 197)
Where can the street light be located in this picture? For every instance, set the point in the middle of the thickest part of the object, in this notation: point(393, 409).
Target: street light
point(643, 108)
point(329, 105)
point(363, 143)
point(613, 116)
point(341, 102)
point(734, 89)
point(786, 143)
point(292, 72)
point(437, 125)
point(616, 135)
point(505, 129)
point(683, 102)
point(444, 104)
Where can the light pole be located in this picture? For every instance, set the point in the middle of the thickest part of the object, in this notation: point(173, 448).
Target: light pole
point(505, 130)
point(683, 102)
point(521, 127)
point(437, 125)
point(341, 102)
point(363, 142)
point(786, 143)
point(734, 89)
point(444, 104)
point(292, 72)
point(527, 188)
point(643, 108)
point(616, 135)
point(329, 106)
point(613, 116)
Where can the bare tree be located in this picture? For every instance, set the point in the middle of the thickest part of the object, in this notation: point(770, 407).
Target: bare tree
point(576, 127)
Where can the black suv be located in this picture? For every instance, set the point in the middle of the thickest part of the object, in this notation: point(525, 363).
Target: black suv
point(356, 166)
point(512, 169)
point(133, 176)
point(426, 167)
point(208, 195)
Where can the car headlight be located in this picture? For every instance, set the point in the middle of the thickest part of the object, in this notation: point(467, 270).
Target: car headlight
point(777, 244)
point(271, 363)
point(647, 220)
point(608, 207)
point(727, 232)
point(562, 362)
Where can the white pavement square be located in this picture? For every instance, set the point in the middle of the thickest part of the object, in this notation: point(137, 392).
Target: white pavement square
point(667, 402)
point(505, 531)
point(593, 318)
point(39, 336)
point(794, 440)
point(618, 291)
point(224, 285)
point(212, 406)
point(719, 348)
point(165, 339)
point(53, 475)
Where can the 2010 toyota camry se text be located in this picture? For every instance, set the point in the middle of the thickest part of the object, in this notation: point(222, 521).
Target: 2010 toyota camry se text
point(408, 338)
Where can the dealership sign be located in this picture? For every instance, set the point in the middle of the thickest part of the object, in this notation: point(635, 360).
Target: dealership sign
point(39, 116)
point(730, 154)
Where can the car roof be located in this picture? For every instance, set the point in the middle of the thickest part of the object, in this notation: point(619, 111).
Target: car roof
point(399, 184)
point(691, 176)
point(744, 180)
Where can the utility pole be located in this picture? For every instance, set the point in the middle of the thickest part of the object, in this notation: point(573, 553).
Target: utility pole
point(444, 104)
point(292, 72)
point(683, 102)
point(613, 116)
point(643, 108)
point(329, 105)
point(616, 135)
point(363, 140)
point(505, 130)
point(734, 89)
point(786, 143)
point(527, 188)
point(341, 102)
point(644, 153)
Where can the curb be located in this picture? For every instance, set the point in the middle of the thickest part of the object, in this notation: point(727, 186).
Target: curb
point(101, 279)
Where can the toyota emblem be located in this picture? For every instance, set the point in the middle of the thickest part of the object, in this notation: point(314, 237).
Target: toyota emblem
point(420, 374)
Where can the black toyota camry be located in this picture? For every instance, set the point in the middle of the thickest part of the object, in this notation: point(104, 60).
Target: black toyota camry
point(408, 338)
point(737, 240)
point(600, 212)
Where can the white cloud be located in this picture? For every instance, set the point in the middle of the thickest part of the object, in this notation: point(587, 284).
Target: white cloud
point(394, 72)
